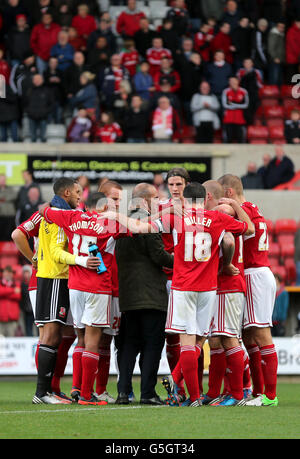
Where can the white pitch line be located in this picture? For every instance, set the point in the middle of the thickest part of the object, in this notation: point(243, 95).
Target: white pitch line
point(71, 410)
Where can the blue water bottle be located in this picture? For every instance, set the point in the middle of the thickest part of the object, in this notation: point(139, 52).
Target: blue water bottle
point(95, 252)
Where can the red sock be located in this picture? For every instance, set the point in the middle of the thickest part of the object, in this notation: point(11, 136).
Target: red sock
point(77, 366)
point(246, 376)
point(189, 365)
point(103, 370)
point(235, 371)
point(61, 362)
point(37, 355)
point(269, 364)
point(217, 368)
point(255, 369)
point(200, 356)
point(89, 370)
point(172, 349)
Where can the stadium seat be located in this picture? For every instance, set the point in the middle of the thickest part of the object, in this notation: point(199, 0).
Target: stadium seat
point(276, 132)
point(278, 122)
point(8, 248)
point(8, 260)
point(270, 226)
point(274, 111)
point(269, 91)
point(269, 102)
point(274, 250)
point(290, 267)
point(286, 91)
point(158, 10)
point(287, 250)
point(274, 262)
point(56, 133)
point(257, 133)
point(285, 225)
point(285, 238)
point(281, 270)
point(188, 134)
point(290, 103)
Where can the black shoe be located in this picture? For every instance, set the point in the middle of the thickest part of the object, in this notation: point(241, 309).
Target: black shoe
point(122, 399)
point(152, 401)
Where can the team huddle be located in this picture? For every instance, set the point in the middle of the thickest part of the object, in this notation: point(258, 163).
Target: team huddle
point(220, 289)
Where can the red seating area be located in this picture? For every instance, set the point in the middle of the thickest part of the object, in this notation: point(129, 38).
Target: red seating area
point(275, 107)
point(10, 256)
point(282, 248)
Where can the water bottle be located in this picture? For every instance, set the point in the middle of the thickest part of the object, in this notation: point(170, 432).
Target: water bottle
point(95, 252)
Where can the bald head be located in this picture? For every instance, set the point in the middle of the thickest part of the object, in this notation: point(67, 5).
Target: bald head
point(214, 192)
point(145, 196)
point(232, 184)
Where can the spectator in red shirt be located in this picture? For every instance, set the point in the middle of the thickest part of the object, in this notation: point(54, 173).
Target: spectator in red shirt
point(292, 47)
point(4, 67)
point(155, 54)
point(78, 43)
point(83, 22)
point(10, 296)
point(202, 41)
point(166, 72)
point(107, 131)
point(43, 37)
point(130, 56)
point(128, 23)
point(222, 41)
point(234, 101)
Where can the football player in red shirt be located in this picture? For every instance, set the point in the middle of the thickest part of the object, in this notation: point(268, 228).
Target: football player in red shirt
point(90, 292)
point(113, 192)
point(226, 352)
point(260, 295)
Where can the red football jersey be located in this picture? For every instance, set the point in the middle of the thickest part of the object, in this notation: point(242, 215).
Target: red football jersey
point(130, 60)
point(256, 246)
point(108, 133)
point(82, 228)
point(31, 229)
point(197, 239)
point(154, 56)
point(231, 284)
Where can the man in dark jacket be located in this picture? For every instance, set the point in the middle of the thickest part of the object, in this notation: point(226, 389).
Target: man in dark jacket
point(38, 105)
point(143, 300)
point(135, 122)
point(280, 169)
point(9, 115)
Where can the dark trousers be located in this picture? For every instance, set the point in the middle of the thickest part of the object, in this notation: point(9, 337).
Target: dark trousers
point(144, 333)
point(205, 132)
point(234, 133)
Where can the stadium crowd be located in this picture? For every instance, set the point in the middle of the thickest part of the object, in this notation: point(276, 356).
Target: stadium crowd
point(193, 73)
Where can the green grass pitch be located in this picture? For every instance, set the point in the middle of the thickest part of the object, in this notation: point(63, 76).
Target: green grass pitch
point(20, 419)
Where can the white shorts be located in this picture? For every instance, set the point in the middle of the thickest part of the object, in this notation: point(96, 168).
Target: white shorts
point(169, 285)
point(260, 297)
point(190, 312)
point(228, 316)
point(32, 297)
point(115, 318)
point(92, 309)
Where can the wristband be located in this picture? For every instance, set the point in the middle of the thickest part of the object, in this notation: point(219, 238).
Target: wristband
point(81, 261)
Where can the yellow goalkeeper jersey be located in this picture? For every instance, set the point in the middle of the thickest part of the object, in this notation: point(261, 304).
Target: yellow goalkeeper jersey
point(53, 257)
